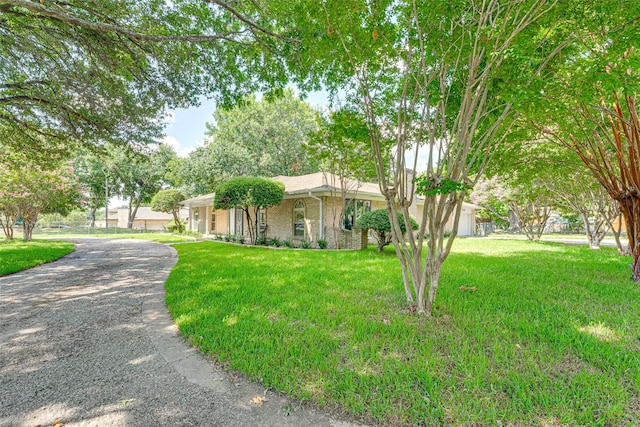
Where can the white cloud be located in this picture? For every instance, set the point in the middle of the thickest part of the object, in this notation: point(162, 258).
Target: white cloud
point(170, 117)
point(177, 146)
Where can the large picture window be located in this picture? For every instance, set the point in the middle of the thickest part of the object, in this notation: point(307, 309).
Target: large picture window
point(298, 219)
point(352, 210)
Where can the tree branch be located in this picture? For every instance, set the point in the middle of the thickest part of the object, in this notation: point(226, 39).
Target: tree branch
point(57, 15)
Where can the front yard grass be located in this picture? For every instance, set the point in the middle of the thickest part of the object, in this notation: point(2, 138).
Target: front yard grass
point(551, 336)
point(17, 255)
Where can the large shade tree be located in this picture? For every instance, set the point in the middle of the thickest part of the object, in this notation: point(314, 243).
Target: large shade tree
point(90, 71)
point(139, 175)
point(263, 137)
point(97, 180)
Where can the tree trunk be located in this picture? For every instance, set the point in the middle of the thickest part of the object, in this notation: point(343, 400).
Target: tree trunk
point(177, 222)
point(434, 267)
point(515, 226)
point(28, 224)
point(133, 210)
point(630, 208)
point(252, 225)
point(94, 208)
point(594, 234)
point(405, 273)
point(7, 225)
point(623, 250)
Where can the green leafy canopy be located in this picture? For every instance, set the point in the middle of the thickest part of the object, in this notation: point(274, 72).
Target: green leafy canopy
point(248, 191)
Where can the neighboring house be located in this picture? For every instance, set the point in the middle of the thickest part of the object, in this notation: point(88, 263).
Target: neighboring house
point(113, 220)
point(146, 219)
point(310, 210)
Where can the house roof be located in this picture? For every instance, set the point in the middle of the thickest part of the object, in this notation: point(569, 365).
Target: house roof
point(326, 184)
point(204, 200)
point(144, 213)
point(316, 184)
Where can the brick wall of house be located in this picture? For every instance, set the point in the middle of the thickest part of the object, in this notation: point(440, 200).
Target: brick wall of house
point(280, 220)
point(222, 222)
point(280, 223)
point(347, 239)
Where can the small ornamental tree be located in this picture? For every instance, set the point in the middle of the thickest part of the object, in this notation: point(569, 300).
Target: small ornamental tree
point(378, 222)
point(249, 194)
point(37, 192)
point(168, 201)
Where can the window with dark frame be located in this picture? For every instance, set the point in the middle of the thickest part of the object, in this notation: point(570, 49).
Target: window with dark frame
point(353, 208)
point(298, 219)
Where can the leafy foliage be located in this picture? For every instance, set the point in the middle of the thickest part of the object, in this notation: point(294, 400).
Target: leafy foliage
point(434, 186)
point(439, 79)
point(169, 201)
point(96, 71)
point(264, 137)
point(28, 191)
point(249, 194)
point(139, 174)
point(378, 222)
point(341, 145)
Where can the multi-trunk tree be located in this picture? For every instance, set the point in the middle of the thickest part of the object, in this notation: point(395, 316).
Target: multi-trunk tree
point(607, 140)
point(439, 79)
point(28, 191)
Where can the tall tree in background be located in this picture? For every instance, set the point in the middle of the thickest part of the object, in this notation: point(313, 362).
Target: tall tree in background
point(264, 137)
point(96, 179)
point(194, 174)
point(139, 175)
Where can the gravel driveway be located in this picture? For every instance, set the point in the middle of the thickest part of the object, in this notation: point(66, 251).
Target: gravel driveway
point(87, 341)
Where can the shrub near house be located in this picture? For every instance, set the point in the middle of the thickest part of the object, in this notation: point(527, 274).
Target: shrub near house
point(378, 222)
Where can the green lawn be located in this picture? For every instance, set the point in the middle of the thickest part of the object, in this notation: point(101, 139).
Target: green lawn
point(551, 336)
point(17, 255)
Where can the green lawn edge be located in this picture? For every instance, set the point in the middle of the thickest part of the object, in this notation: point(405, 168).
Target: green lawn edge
point(550, 336)
point(17, 255)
